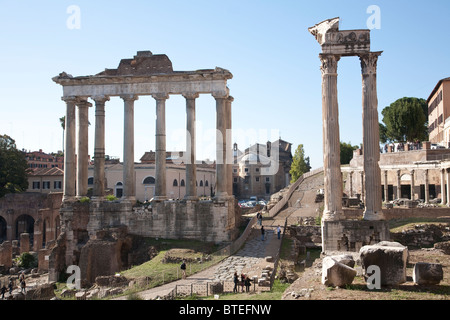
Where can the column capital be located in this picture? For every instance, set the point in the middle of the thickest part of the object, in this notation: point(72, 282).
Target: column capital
point(160, 96)
point(329, 63)
point(129, 97)
point(82, 102)
point(369, 62)
point(72, 99)
point(100, 99)
point(220, 95)
point(190, 95)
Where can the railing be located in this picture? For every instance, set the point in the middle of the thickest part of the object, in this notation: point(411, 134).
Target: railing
point(280, 205)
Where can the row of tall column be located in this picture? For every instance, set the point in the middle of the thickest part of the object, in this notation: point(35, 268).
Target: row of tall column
point(331, 142)
point(76, 158)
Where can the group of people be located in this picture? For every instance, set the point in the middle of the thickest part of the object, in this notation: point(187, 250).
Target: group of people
point(263, 231)
point(245, 281)
point(10, 288)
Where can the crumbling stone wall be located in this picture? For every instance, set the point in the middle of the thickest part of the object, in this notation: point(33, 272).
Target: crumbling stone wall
point(423, 235)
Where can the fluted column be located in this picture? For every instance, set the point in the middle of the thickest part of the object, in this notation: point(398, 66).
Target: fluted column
point(427, 187)
point(229, 150)
point(160, 146)
point(221, 167)
point(129, 175)
point(69, 150)
point(331, 143)
point(99, 147)
point(83, 147)
point(350, 177)
point(412, 184)
point(371, 137)
point(191, 172)
point(443, 193)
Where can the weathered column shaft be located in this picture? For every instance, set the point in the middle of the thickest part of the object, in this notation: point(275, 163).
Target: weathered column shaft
point(331, 142)
point(83, 147)
point(221, 167)
point(386, 186)
point(427, 187)
point(160, 146)
point(99, 147)
point(69, 149)
point(371, 138)
point(399, 185)
point(191, 172)
point(229, 150)
point(350, 177)
point(443, 193)
point(412, 184)
point(129, 176)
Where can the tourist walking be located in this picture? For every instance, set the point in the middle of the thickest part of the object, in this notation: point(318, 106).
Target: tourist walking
point(247, 283)
point(242, 282)
point(262, 233)
point(183, 269)
point(259, 217)
point(3, 291)
point(279, 232)
point(236, 281)
point(23, 286)
point(10, 286)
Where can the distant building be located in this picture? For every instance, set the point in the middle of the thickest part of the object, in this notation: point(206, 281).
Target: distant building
point(40, 159)
point(45, 180)
point(439, 113)
point(262, 169)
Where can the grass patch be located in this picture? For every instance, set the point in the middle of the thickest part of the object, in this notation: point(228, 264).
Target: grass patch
point(397, 225)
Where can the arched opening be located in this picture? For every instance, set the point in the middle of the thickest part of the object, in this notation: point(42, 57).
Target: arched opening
point(182, 184)
point(118, 190)
point(3, 227)
point(149, 187)
point(25, 224)
point(175, 183)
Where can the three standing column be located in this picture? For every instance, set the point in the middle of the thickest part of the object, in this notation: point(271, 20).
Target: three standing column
point(331, 143)
point(69, 149)
point(221, 147)
point(371, 137)
point(83, 150)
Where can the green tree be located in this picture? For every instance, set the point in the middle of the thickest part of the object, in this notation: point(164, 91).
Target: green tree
point(300, 164)
point(405, 120)
point(347, 152)
point(13, 167)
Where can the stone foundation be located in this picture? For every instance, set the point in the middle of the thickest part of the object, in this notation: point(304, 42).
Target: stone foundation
point(351, 235)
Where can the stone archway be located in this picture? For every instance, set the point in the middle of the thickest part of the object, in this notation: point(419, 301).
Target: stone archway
point(3, 228)
point(24, 224)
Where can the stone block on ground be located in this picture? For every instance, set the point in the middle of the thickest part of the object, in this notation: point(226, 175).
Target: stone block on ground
point(444, 246)
point(336, 274)
point(390, 257)
point(427, 273)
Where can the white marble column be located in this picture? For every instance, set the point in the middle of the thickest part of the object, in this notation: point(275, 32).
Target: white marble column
point(412, 184)
point(221, 167)
point(229, 150)
point(69, 191)
point(99, 147)
point(83, 147)
point(448, 185)
point(129, 175)
point(371, 137)
point(190, 157)
point(350, 178)
point(443, 193)
point(427, 188)
point(160, 146)
point(331, 143)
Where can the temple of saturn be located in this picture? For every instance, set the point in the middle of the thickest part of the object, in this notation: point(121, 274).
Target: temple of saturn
point(337, 232)
point(144, 75)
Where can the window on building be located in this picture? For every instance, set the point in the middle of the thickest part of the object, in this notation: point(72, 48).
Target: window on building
point(246, 169)
point(149, 180)
point(45, 184)
point(57, 185)
point(267, 179)
point(257, 169)
point(91, 181)
point(206, 183)
point(182, 184)
point(201, 183)
point(175, 183)
point(246, 180)
point(257, 179)
point(36, 184)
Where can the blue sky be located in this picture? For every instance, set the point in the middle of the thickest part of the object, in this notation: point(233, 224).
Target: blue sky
point(265, 44)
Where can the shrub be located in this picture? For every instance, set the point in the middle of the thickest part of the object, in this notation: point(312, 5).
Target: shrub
point(27, 260)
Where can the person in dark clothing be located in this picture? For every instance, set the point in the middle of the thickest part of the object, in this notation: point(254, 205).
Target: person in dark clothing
point(247, 283)
point(242, 282)
point(236, 281)
point(3, 291)
point(262, 233)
